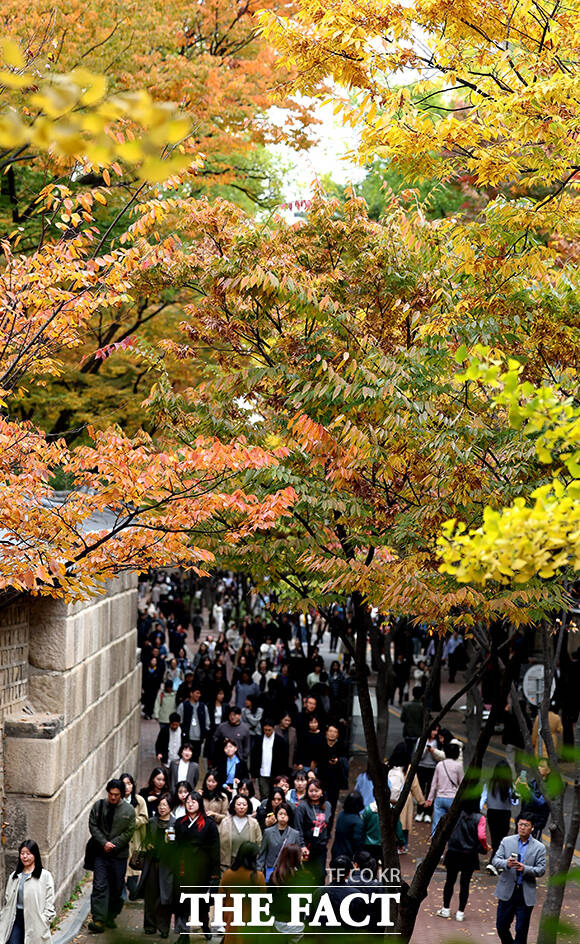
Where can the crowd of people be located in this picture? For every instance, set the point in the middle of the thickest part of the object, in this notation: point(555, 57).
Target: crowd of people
point(252, 753)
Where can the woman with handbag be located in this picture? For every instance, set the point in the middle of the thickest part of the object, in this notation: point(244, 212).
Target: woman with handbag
point(157, 885)
point(29, 901)
point(275, 838)
point(137, 844)
point(445, 784)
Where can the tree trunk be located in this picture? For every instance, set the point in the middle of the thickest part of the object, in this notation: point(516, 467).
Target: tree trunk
point(411, 895)
point(384, 685)
point(561, 853)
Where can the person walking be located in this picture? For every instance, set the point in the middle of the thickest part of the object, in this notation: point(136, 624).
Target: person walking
point(197, 857)
point(184, 768)
point(111, 825)
point(157, 882)
point(241, 878)
point(521, 859)
point(445, 784)
point(194, 718)
point(467, 840)
point(137, 843)
point(498, 796)
point(412, 720)
point(275, 838)
point(236, 828)
point(313, 819)
point(29, 900)
point(426, 771)
point(349, 832)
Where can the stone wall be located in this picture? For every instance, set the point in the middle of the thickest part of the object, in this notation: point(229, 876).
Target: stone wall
point(83, 688)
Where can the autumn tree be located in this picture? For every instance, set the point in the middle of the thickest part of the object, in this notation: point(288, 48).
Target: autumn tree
point(350, 361)
point(208, 59)
point(129, 501)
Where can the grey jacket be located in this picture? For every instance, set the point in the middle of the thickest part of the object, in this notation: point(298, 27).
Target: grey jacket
point(273, 841)
point(534, 866)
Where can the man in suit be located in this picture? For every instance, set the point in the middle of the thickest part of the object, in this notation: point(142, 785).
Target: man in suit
point(522, 859)
point(269, 757)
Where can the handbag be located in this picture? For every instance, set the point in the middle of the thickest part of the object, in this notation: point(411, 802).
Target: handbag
point(137, 859)
point(92, 848)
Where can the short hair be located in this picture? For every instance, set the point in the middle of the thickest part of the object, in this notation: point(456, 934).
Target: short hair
point(267, 722)
point(168, 797)
point(230, 741)
point(232, 806)
point(286, 806)
point(249, 783)
point(234, 710)
point(185, 744)
point(365, 860)
point(452, 751)
point(353, 803)
point(116, 784)
point(417, 691)
point(341, 864)
point(174, 717)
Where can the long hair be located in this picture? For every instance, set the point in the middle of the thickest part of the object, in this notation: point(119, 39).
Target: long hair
point(32, 847)
point(200, 821)
point(501, 780)
point(154, 773)
point(207, 794)
point(246, 858)
point(133, 797)
point(289, 861)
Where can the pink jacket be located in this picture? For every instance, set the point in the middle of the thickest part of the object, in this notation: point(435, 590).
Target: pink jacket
point(446, 779)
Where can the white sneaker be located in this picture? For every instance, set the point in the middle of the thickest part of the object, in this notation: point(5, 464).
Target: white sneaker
point(427, 818)
point(444, 913)
point(491, 869)
point(419, 817)
point(459, 915)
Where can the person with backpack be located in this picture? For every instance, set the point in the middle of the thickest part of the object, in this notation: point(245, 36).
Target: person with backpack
point(467, 840)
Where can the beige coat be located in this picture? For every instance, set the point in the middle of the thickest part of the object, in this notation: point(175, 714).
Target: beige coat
point(38, 908)
point(407, 812)
point(217, 809)
point(226, 835)
point(141, 821)
point(556, 729)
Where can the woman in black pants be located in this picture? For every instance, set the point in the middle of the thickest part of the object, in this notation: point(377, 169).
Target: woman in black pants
point(467, 840)
point(497, 796)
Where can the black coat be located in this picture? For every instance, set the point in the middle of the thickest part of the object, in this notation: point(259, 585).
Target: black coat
point(198, 849)
point(279, 757)
point(162, 743)
point(241, 773)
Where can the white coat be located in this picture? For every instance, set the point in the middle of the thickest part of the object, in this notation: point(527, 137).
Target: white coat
point(38, 908)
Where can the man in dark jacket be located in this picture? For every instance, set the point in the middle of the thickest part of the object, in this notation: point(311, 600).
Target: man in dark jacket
point(412, 720)
point(169, 740)
point(236, 730)
point(194, 720)
point(269, 757)
point(111, 825)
